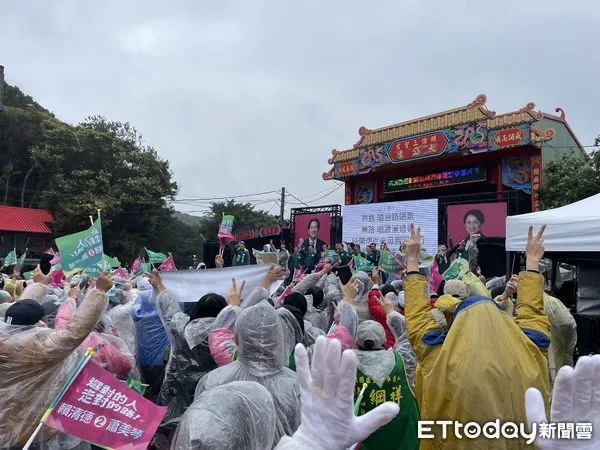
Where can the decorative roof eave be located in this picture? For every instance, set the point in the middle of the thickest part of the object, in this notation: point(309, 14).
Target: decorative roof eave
point(328, 175)
point(563, 119)
point(527, 114)
point(473, 112)
point(538, 136)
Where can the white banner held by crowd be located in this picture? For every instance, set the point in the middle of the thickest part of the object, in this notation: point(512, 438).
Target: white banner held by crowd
point(190, 285)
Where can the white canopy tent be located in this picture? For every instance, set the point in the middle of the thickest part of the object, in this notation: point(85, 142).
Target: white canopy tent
point(571, 228)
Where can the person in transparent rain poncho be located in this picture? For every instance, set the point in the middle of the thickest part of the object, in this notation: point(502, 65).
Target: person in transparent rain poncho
point(190, 357)
point(242, 415)
point(35, 361)
point(259, 356)
point(236, 415)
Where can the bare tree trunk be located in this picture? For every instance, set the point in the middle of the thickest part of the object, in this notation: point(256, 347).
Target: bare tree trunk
point(5, 201)
point(29, 172)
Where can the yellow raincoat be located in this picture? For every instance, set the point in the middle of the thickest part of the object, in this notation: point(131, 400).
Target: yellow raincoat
point(480, 368)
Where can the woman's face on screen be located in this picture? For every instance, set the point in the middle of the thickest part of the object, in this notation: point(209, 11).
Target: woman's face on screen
point(472, 225)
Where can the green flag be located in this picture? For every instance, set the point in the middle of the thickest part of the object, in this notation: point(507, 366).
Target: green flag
point(156, 258)
point(81, 250)
point(11, 259)
point(227, 222)
point(388, 263)
point(28, 275)
point(21, 261)
point(111, 263)
point(146, 267)
point(362, 264)
point(332, 256)
point(457, 269)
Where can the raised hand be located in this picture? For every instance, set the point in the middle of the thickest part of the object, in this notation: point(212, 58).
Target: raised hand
point(235, 294)
point(413, 249)
point(156, 282)
point(275, 273)
point(375, 277)
point(104, 283)
point(512, 286)
point(350, 290)
point(327, 398)
point(575, 399)
point(39, 277)
point(387, 305)
point(535, 248)
point(219, 262)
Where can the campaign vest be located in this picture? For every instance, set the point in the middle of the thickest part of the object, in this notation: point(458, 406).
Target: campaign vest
point(401, 432)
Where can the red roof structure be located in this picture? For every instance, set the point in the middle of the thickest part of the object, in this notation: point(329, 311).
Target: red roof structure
point(25, 220)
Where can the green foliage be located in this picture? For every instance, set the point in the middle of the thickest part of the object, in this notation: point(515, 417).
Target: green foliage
point(570, 179)
point(246, 218)
point(74, 171)
point(13, 96)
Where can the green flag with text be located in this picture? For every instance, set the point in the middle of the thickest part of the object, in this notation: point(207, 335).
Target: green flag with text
point(11, 259)
point(156, 258)
point(83, 250)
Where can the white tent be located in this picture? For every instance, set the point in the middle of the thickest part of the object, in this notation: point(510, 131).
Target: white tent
point(571, 228)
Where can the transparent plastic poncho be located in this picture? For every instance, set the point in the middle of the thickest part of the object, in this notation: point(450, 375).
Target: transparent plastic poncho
point(237, 415)
point(260, 358)
point(35, 362)
point(563, 335)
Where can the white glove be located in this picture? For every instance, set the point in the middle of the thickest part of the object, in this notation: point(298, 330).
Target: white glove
point(327, 395)
point(575, 399)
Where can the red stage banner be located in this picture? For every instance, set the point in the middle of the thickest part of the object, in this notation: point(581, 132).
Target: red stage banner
point(536, 182)
point(101, 409)
point(244, 235)
point(270, 231)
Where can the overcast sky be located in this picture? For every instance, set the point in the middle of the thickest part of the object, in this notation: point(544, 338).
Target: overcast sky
point(248, 96)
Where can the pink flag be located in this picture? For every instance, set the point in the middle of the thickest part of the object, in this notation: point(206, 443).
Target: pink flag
point(102, 410)
point(137, 265)
point(299, 275)
point(225, 237)
point(435, 279)
point(55, 260)
point(56, 278)
point(168, 265)
point(321, 264)
point(285, 295)
point(121, 273)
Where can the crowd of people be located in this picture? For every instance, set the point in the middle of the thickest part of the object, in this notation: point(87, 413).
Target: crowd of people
point(326, 362)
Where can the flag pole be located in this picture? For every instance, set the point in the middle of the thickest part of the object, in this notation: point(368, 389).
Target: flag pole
point(88, 355)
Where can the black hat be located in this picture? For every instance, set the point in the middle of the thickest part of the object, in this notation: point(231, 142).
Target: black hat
point(24, 312)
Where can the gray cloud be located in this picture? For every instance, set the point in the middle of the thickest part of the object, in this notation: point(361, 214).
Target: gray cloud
point(247, 97)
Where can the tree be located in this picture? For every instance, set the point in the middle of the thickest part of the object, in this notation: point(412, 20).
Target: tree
point(73, 171)
point(570, 179)
point(246, 218)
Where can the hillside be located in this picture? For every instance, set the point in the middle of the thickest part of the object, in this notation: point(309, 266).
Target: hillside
point(189, 220)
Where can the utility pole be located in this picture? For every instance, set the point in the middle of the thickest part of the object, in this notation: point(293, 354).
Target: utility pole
point(282, 209)
point(1, 87)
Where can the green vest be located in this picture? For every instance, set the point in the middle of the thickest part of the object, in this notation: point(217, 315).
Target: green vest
point(241, 258)
point(344, 257)
point(295, 261)
point(401, 432)
point(309, 261)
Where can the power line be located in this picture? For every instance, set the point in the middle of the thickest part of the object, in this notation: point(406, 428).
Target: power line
point(292, 195)
point(223, 198)
point(328, 194)
point(324, 190)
